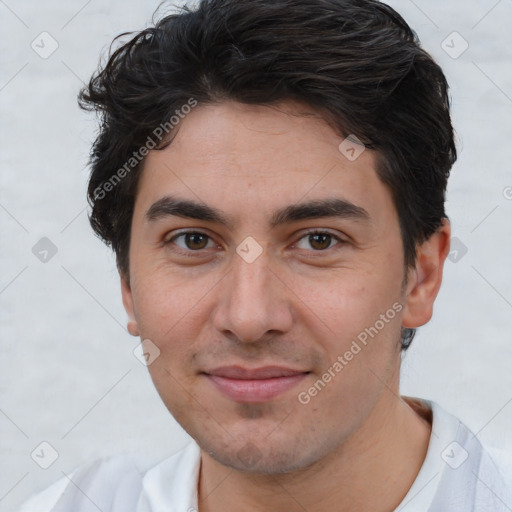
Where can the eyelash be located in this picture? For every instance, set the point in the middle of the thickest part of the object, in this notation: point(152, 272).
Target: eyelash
point(191, 252)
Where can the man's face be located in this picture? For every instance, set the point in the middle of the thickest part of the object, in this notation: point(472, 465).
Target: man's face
point(287, 305)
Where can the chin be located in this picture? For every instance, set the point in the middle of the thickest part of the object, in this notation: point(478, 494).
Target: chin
point(262, 457)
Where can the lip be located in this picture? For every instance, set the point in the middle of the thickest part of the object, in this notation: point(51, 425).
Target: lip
point(254, 385)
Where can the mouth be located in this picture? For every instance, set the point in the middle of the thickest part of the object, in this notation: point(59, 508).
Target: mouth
point(254, 385)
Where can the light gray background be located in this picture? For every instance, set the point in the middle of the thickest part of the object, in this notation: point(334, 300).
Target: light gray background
point(68, 374)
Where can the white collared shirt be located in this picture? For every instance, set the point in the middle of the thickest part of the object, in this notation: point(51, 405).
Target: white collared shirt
point(457, 475)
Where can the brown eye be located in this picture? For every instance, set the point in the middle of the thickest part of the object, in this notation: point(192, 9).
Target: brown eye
point(318, 241)
point(321, 241)
point(196, 240)
point(191, 241)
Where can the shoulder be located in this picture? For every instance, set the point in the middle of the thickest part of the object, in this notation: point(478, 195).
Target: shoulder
point(503, 460)
point(470, 472)
point(497, 469)
point(116, 485)
point(45, 500)
point(458, 473)
point(101, 482)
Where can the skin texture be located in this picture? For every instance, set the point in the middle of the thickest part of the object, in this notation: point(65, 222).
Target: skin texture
point(356, 445)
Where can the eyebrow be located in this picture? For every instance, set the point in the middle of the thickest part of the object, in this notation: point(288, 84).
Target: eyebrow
point(315, 209)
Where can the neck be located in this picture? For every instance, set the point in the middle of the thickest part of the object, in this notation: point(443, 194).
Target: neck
point(372, 470)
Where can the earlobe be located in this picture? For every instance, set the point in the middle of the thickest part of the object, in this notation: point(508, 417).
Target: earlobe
point(132, 328)
point(126, 293)
point(424, 280)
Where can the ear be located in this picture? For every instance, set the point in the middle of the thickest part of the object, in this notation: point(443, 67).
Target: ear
point(424, 280)
point(126, 293)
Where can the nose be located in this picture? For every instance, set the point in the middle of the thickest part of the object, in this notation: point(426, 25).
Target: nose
point(253, 302)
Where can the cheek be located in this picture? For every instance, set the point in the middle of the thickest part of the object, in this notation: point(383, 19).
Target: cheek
point(348, 300)
point(362, 311)
point(361, 354)
point(171, 307)
point(169, 314)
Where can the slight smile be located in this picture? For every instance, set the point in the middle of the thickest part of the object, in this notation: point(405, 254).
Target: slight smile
point(256, 385)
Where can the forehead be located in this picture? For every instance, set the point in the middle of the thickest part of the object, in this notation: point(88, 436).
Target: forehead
point(230, 129)
point(256, 158)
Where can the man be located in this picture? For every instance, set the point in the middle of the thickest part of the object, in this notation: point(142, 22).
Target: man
point(271, 176)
